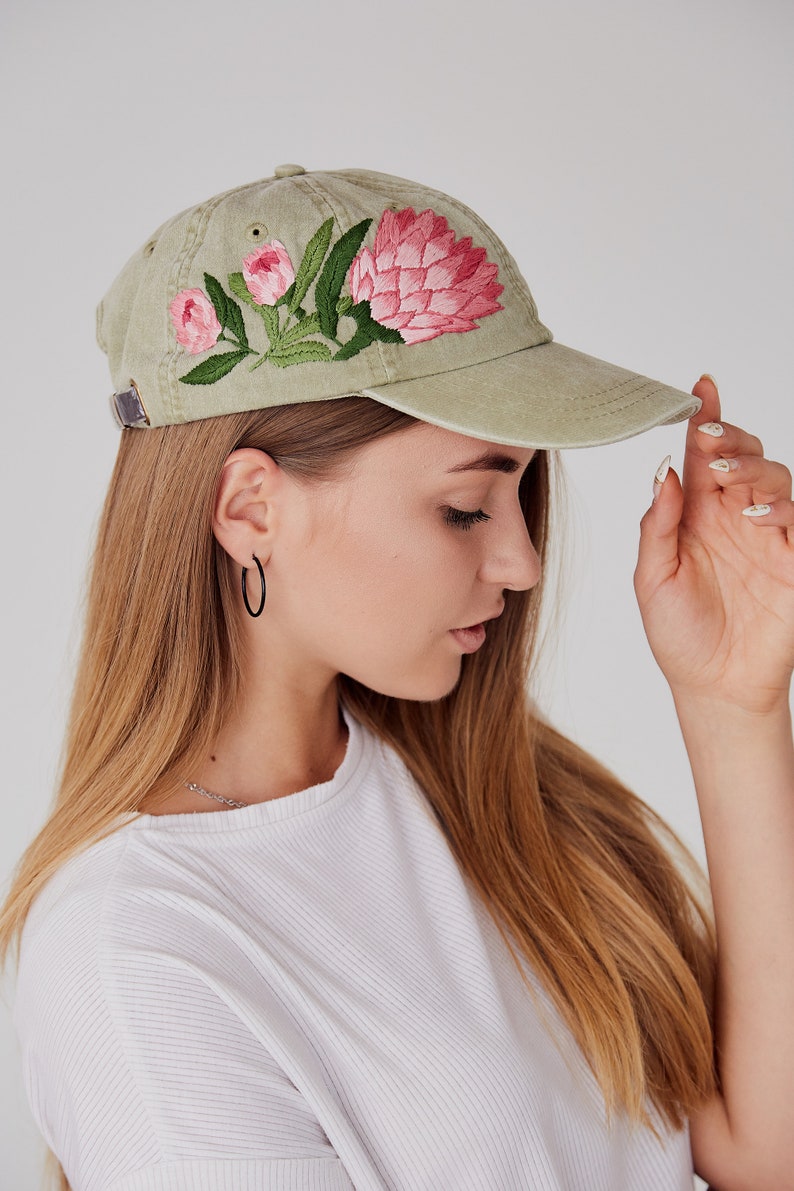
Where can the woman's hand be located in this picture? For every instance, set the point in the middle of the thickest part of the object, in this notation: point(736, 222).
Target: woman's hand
point(716, 592)
point(716, 586)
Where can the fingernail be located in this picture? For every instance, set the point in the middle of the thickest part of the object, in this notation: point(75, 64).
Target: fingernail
point(660, 476)
point(724, 464)
point(712, 428)
point(757, 511)
point(708, 376)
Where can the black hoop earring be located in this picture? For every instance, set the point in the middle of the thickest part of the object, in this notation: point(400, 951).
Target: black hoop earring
point(248, 607)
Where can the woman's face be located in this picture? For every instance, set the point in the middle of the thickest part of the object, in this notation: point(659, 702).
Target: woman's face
point(370, 574)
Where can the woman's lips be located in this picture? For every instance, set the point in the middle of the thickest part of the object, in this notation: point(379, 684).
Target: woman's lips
point(470, 638)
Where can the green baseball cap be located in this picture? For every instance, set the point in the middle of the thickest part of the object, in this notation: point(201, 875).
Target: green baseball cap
point(309, 286)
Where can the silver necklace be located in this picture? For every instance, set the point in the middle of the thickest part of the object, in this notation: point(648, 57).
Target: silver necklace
point(218, 797)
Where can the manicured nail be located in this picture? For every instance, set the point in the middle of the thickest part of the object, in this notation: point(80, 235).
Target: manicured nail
point(708, 376)
point(757, 511)
point(660, 476)
point(724, 464)
point(712, 428)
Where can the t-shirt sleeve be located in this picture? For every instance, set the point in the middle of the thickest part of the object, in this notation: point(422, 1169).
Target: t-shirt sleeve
point(140, 1077)
point(290, 1174)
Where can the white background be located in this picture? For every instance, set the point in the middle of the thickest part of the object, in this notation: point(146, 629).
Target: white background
point(635, 157)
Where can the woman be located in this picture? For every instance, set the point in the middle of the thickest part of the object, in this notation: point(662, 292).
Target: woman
point(323, 902)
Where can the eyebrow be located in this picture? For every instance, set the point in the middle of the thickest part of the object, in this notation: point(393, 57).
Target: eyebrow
point(489, 461)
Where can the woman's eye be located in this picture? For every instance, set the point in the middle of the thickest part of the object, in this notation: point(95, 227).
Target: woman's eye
point(462, 519)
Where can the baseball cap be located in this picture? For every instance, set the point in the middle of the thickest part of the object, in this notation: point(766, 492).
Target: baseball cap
point(315, 285)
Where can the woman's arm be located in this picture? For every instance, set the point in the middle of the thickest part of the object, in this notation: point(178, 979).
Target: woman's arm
point(743, 765)
point(716, 591)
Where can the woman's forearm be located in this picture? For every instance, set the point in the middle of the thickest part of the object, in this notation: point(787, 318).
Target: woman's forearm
point(743, 767)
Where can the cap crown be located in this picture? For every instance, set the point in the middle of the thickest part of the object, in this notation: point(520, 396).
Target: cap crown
point(307, 287)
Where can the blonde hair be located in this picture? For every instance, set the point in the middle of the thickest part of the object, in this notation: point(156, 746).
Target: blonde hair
point(576, 871)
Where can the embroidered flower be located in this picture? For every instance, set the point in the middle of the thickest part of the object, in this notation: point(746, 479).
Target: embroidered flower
point(268, 273)
point(420, 280)
point(195, 321)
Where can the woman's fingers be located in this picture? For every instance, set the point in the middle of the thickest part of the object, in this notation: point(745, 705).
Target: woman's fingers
point(658, 557)
point(762, 479)
point(708, 440)
point(720, 455)
point(780, 514)
point(721, 438)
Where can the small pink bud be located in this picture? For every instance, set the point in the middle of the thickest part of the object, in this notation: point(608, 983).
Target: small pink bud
point(195, 321)
point(268, 273)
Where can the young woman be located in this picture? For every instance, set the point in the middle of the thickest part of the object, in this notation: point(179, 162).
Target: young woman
point(323, 902)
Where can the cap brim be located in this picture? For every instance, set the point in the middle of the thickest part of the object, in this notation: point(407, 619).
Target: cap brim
point(546, 396)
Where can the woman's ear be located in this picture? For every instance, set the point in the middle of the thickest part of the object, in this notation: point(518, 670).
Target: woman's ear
point(244, 517)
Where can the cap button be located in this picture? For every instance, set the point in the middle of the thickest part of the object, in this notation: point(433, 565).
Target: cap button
point(288, 170)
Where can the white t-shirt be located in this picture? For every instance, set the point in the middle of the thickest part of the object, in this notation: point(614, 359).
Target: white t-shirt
point(303, 995)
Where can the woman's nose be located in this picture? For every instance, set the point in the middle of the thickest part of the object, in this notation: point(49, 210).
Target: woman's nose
point(513, 561)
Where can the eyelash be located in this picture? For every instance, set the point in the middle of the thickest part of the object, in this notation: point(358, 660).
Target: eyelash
point(461, 519)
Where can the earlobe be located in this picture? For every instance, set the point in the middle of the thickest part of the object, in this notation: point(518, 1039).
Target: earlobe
point(243, 516)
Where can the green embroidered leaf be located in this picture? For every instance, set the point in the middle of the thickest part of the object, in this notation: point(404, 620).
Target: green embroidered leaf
point(238, 327)
point(309, 267)
point(300, 353)
point(235, 323)
point(309, 326)
point(208, 371)
point(237, 286)
point(286, 297)
point(367, 331)
point(330, 282)
point(230, 316)
point(384, 334)
point(357, 343)
point(270, 318)
point(344, 304)
point(217, 297)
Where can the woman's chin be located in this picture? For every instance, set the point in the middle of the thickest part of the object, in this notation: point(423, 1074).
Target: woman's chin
point(422, 687)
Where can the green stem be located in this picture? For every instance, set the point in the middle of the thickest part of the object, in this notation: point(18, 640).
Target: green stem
point(240, 346)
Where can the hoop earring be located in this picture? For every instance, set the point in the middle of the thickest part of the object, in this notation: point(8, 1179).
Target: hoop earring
point(248, 607)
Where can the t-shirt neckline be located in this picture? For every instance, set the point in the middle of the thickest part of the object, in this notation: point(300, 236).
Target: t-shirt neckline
point(357, 754)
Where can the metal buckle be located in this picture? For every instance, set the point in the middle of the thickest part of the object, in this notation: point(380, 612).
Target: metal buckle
point(128, 409)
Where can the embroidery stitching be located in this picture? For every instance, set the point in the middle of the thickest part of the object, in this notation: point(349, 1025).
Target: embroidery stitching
point(416, 283)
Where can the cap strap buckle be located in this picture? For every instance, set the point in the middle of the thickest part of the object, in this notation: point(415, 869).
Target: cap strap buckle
point(127, 408)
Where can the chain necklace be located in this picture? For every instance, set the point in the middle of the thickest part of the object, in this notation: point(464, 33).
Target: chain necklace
point(207, 794)
point(197, 789)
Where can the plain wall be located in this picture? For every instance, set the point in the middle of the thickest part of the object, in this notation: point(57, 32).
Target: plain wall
point(635, 157)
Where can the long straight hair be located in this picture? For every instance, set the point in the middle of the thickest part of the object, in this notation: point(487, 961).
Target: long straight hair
point(584, 882)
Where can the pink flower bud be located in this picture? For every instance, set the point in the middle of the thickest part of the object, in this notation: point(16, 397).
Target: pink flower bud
point(195, 321)
point(268, 273)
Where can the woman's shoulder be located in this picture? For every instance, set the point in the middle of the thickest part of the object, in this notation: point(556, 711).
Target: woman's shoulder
point(129, 1002)
point(96, 911)
point(64, 924)
point(77, 889)
point(115, 920)
point(183, 881)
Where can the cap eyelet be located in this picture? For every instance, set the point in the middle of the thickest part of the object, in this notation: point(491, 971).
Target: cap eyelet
point(257, 233)
point(149, 248)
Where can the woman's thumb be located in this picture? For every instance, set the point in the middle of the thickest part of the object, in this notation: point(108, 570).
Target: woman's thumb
point(658, 552)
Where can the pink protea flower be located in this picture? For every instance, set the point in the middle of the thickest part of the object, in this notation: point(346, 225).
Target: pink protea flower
point(268, 273)
point(195, 321)
point(420, 280)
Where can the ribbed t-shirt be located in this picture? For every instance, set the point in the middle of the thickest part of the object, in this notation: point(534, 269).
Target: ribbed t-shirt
point(305, 994)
